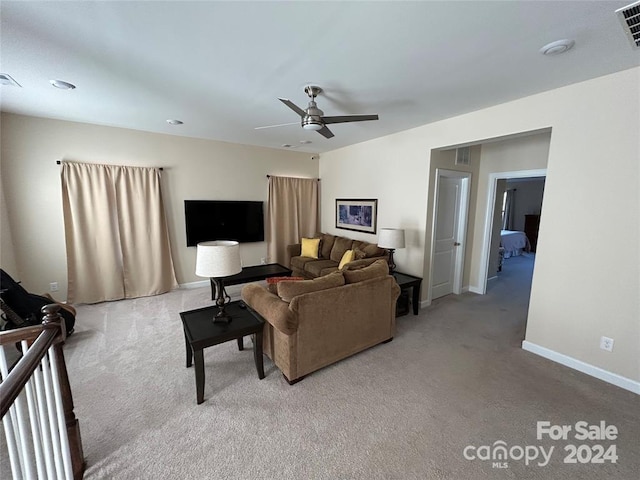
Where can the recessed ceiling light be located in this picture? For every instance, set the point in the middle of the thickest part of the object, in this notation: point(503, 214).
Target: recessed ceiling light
point(305, 142)
point(557, 47)
point(287, 145)
point(6, 79)
point(173, 121)
point(62, 85)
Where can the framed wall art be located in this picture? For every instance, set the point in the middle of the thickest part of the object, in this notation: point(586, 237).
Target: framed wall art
point(357, 214)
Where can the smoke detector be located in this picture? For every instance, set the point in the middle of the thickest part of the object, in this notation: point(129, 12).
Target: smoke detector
point(557, 47)
point(630, 19)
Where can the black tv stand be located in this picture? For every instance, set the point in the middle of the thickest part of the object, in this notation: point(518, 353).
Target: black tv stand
point(253, 274)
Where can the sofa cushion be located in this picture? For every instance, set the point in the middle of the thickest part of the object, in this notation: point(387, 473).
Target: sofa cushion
point(288, 290)
point(358, 254)
point(310, 247)
point(341, 245)
point(326, 244)
point(300, 262)
point(369, 249)
point(379, 268)
point(328, 270)
point(346, 258)
point(315, 268)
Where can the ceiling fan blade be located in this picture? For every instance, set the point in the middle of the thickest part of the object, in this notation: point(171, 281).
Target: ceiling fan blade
point(278, 125)
point(293, 107)
point(325, 132)
point(349, 118)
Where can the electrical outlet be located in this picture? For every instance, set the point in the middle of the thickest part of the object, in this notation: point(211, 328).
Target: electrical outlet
point(53, 286)
point(263, 261)
point(606, 343)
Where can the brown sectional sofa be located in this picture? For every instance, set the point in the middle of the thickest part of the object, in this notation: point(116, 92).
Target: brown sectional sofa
point(313, 323)
point(330, 253)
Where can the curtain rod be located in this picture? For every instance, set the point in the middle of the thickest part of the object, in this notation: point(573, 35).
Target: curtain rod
point(318, 179)
point(59, 162)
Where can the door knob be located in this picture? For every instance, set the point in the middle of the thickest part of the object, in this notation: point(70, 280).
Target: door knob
point(456, 244)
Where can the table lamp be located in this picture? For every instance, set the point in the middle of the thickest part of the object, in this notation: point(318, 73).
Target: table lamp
point(391, 238)
point(216, 260)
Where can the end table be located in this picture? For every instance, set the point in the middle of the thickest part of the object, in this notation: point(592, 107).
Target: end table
point(201, 332)
point(405, 282)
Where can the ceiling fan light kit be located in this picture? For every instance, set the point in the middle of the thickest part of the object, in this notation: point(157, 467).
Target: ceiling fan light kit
point(62, 85)
point(313, 118)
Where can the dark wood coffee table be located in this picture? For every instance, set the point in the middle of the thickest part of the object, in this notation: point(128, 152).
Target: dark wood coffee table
point(200, 332)
point(253, 274)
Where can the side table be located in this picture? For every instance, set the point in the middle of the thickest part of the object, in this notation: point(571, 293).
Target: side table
point(405, 282)
point(201, 332)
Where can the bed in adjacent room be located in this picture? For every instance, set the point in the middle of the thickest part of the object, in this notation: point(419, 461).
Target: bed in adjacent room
point(514, 243)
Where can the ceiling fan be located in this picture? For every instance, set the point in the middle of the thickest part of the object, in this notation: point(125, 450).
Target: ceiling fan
point(313, 118)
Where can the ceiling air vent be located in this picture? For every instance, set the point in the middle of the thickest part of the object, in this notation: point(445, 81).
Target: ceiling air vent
point(630, 18)
point(463, 156)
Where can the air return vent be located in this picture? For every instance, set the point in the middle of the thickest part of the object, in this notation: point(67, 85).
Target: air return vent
point(462, 156)
point(630, 18)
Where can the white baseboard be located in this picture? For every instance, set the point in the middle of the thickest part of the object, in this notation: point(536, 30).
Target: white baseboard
point(232, 290)
point(597, 372)
point(474, 289)
point(190, 285)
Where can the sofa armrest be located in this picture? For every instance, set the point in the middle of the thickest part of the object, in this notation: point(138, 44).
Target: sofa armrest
point(293, 251)
point(271, 307)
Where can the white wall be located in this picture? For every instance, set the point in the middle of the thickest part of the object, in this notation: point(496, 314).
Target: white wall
point(579, 291)
point(193, 169)
point(526, 152)
point(529, 194)
point(7, 253)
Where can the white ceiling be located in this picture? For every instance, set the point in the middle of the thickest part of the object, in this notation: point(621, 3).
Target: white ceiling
point(220, 66)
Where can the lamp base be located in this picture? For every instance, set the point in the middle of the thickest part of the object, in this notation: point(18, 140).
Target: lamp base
point(392, 265)
point(222, 317)
point(221, 300)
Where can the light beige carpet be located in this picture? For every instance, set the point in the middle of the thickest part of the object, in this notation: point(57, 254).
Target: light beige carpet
point(454, 376)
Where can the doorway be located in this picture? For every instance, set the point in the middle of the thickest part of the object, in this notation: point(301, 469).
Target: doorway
point(450, 214)
point(490, 218)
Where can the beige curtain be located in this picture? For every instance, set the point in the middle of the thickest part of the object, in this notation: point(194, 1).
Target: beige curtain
point(292, 214)
point(116, 233)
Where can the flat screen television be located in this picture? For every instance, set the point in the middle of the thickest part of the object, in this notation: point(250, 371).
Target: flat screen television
point(242, 221)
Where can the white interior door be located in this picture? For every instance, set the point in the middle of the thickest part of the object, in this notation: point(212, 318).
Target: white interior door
point(450, 220)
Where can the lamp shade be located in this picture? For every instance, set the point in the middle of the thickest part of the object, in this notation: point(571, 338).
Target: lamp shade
point(219, 258)
point(391, 238)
